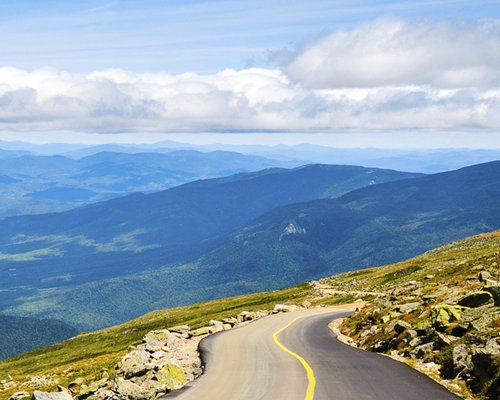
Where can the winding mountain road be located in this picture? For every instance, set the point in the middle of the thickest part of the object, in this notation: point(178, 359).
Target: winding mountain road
point(295, 356)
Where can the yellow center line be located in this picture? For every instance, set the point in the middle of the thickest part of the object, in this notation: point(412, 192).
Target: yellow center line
point(309, 371)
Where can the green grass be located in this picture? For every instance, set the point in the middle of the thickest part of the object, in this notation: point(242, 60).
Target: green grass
point(86, 354)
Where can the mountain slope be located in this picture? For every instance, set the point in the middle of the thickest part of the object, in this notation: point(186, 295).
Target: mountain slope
point(370, 226)
point(290, 244)
point(20, 334)
point(454, 267)
point(48, 253)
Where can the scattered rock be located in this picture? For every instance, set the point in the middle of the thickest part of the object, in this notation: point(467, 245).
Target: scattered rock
point(380, 346)
point(182, 329)
point(476, 299)
point(422, 326)
point(285, 308)
point(156, 340)
point(408, 307)
point(306, 304)
point(422, 351)
point(401, 326)
point(39, 395)
point(443, 315)
point(385, 319)
point(135, 363)
point(246, 316)
point(484, 275)
point(205, 330)
point(230, 321)
point(216, 326)
point(74, 387)
point(411, 334)
point(494, 290)
point(130, 390)
point(171, 376)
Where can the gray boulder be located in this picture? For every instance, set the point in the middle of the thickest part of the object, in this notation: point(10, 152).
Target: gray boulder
point(476, 299)
point(484, 275)
point(285, 308)
point(422, 351)
point(246, 316)
point(128, 390)
point(408, 307)
point(135, 363)
point(156, 340)
point(494, 290)
point(39, 395)
point(401, 326)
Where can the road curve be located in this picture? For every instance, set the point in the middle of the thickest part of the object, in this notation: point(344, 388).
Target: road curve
point(249, 364)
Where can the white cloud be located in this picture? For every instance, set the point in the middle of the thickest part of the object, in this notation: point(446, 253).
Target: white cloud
point(394, 52)
point(376, 77)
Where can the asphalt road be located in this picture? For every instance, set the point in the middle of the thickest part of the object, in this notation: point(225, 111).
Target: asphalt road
point(284, 358)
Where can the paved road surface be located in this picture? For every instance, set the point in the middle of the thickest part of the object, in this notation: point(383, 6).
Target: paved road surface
point(305, 362)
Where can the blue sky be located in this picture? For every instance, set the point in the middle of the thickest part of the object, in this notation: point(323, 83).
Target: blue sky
point(202, 36)
point(287, 70)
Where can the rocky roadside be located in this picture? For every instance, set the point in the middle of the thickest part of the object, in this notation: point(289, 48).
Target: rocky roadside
point(447, 331)
point(165, 361)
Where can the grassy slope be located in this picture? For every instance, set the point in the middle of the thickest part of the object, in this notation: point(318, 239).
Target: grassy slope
point(86, 354)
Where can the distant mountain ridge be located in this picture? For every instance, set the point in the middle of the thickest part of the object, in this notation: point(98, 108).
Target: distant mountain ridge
point(136, 233)
point(36, 184)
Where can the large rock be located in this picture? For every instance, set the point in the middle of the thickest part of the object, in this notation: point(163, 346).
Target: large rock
point(479, 318)
point(476, 364)
point(408, 307)
point(246, 316)
point(156, 340)
point(483, 276)
point(39, 395)
point(230, 321)
point(422, 326)
point(285, 308)
point(443, 315)
point(422, 351)
point(216, 326)
point(495, 292)
point(135, 363)
point(306, 304)
point(171, 376)
point(74, 386)
point(128, 390)
point(180, 329)
point(476, 299)
point(401, 326)
point(205, 330)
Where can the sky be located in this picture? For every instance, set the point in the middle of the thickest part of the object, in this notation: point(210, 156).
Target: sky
point(340, 73)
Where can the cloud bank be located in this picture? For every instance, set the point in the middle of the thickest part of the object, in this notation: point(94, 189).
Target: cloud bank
point(383, 75)
point(399, 53)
